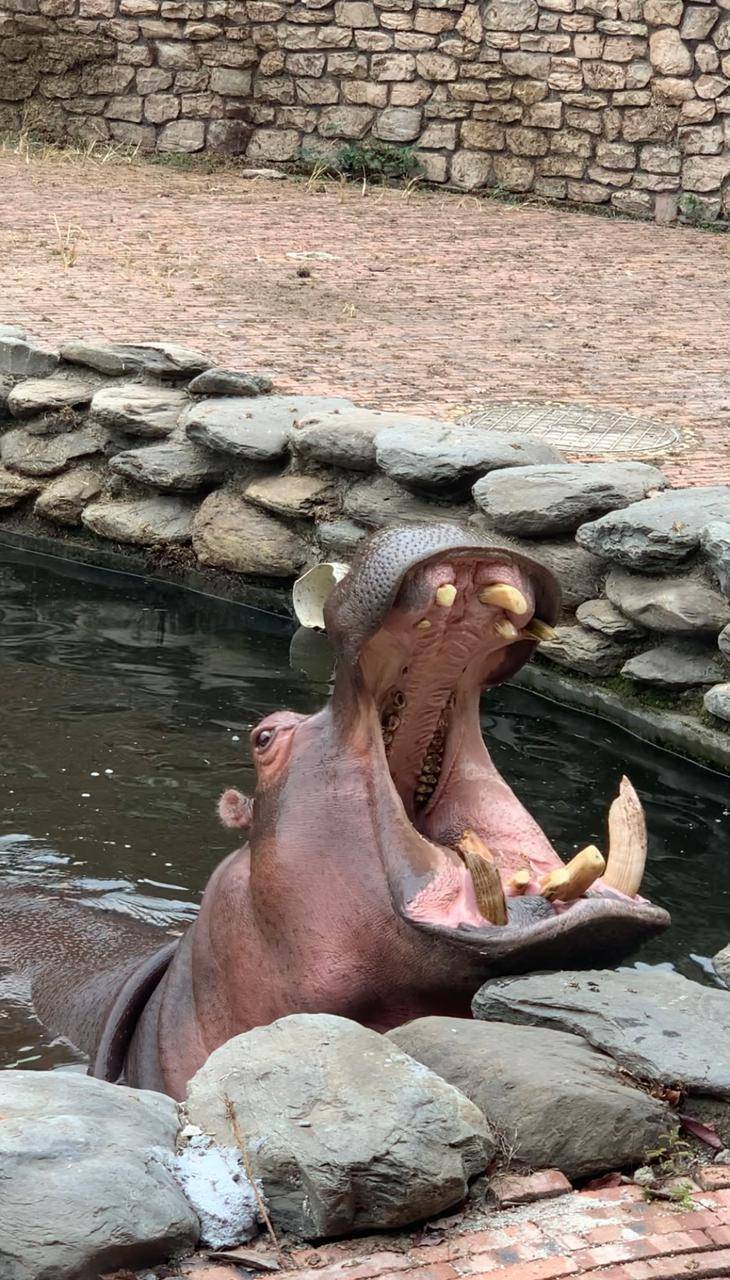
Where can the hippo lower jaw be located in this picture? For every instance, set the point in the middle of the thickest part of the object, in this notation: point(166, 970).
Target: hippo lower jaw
point(468, 864)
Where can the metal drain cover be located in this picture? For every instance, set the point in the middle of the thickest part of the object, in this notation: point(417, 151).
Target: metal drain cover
point(576, 429)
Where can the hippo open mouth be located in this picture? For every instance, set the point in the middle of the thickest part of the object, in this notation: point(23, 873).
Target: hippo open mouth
point(423, 625)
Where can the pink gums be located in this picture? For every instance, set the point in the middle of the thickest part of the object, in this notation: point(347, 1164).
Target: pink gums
point(448, 900)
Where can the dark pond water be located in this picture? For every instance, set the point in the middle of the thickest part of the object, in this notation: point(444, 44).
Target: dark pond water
point(125, 710)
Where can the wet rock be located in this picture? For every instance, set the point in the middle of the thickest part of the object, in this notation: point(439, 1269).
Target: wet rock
point(303, 497)
point(526, 1080)
point(659, 532)
point(422, 453)
point(345, 1132)
point(590, 652)
point(47, 455)
point(229, 382)
point(65, 497)
point(25, 358)
point(676, 606)
point(139, 410)
point(721, 964)
point(677, 664)
point(657, 1025)
point(601, 615)
point(230, 533)
point(339, 539)
point(716, 546)
point(343, 437)
point(381, 501)
point(717, 701)
point(579, 573)
point(177, 466)
point(160, 359)
point(46, 395)
point(256, 429)
point(147, 522)
point(539, 501)
point(15, 489)
point(85, 1184)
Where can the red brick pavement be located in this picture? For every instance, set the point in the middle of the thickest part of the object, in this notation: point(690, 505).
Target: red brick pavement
point(429, 301)
point(613, 1234)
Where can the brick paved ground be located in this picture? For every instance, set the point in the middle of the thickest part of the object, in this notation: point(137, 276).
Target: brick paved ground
point(612, 1234)
point(429, 301)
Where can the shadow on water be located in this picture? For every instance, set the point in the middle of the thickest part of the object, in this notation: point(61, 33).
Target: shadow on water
point(126, 709)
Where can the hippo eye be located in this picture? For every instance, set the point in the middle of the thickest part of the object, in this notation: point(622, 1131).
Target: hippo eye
point(263, 738)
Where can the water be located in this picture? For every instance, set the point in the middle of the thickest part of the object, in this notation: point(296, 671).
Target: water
point(125, 711)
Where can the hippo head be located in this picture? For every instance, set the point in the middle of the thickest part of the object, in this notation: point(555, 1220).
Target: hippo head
point(381, 828)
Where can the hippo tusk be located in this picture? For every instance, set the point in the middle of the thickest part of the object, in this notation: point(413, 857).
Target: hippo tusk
point(311, 591)
point(446, 595)
point(539, 630)
point(627, 841)
point(485, 877)
point(506, 629)
point(503, 596)
point(519, 881)
point(571, 881)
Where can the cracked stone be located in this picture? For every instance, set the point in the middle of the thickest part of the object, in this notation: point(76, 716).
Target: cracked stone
point(177, 466)
point(139, 410)
point(601, 615)
point(65, 498)
point(230, 533)
point(302, 497)
point(578, 649)
point(257, 429)
point(659, 532)
point(675, 606)
point(47, 455)
point(677, 664)
point(160, 359)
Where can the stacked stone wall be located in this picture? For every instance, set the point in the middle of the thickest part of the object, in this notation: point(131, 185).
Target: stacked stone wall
point(622, 103)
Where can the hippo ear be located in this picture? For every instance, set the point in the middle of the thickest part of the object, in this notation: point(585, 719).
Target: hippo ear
point(310, 592)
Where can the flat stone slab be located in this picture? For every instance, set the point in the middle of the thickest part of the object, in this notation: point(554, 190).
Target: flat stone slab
point(344, 1130)
point(716, 546)
point(229, 382)
point(15, 489)
point(177, 466)
point(423, 453)
point(676, 606)
point(256, 429)
point(47, 455)
point(24, 358)
point(381, 501)
point(302, 497)
point(160, 359)
point(146, 522)
point(590, 652)
point(64, 498)
point(717, 701)
point(659, 532)
point(601, 615)
point(340, 437)
point(579, 573)
point(230, 533)
point(544, 500)
point(556, 1102)
point(139, 410)
point(85, 1187)
point(677, 664)
point(47, 395)
point(339, 539)
point(657, 1025)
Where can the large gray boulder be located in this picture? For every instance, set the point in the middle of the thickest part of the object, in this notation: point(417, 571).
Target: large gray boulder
point(15, 489)
point(380, 501)
point(716, 546)
point(680, 606)
point(25, 358)
point(657, 1025)
point(423, 453)
point(48, 395)
point(659, 532)
point(230, 533)
point(159, 359)
point(579, 573)
point(344, 1130)
point(555, 1102)
point(139, 410)
point(145, 522)
point(717, 701)
point(589, 652)
point(340, 437)
point(48, 455)
point(255, 429)
point(64, 498)
point(676, 664)
point(177, 466)
point(541, 501)
point(85, 1187)
point(601, 615)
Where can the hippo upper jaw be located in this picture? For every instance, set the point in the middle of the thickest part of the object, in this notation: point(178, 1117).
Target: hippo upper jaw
point(425, 622)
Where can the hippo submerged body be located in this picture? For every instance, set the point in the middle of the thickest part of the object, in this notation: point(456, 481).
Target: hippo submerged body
point(389, 869)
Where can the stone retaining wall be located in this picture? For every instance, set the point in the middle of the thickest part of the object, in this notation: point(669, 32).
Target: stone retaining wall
point(616, 102)
point(149, 446)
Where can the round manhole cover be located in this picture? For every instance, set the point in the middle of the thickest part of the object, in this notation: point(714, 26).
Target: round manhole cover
point(576, 429)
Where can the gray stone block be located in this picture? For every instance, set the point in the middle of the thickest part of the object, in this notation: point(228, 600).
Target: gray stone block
point(540, 501)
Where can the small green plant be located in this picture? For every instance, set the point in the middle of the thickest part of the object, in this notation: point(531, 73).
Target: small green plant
point(373, 160)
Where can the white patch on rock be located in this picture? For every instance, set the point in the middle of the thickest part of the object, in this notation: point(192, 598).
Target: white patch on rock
point(216, 1186)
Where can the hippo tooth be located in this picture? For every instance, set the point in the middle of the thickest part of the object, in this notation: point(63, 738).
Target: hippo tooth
point(506, 629)
point(539, 630)
point(423, 625)
point(504, 597)
point(627, 842)
point(572, 880)
point(485, 877)
point(446, 595)
point(519, 881)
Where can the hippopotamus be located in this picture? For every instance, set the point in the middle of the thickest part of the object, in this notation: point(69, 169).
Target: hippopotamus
point(388, 868)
